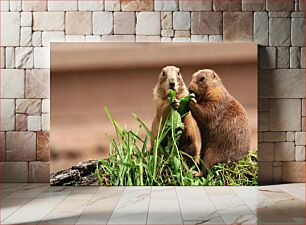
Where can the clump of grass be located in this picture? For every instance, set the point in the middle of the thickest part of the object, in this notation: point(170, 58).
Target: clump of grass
point(132, 162)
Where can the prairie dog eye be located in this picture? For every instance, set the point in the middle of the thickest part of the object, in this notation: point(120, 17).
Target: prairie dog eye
point(179, 74)
point(163, 73)
point(202, 78)
point(213, 75)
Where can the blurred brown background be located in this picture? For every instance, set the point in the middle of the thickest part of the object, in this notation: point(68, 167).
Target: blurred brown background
point(85, 77)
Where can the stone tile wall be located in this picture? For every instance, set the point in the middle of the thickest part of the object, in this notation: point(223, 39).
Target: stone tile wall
point(28, 27)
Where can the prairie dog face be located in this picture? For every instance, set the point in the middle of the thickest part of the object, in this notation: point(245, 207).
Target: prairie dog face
point(170, 78)
point(206, 85)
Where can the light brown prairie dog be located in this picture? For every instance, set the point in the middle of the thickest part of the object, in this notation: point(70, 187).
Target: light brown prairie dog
point(171, 78)
point(222, 120)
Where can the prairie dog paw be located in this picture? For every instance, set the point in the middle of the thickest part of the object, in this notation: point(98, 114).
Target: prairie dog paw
point(193, 101)
point(175, 104)
point(197, 160)
point(197, 174)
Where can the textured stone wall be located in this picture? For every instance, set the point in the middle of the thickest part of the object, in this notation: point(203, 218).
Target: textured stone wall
point(28, 27)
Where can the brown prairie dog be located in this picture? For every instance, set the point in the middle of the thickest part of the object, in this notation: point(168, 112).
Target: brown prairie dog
point(171, 78)
point(222, 120)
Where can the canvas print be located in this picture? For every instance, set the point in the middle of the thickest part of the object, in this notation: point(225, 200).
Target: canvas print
point(154, 114)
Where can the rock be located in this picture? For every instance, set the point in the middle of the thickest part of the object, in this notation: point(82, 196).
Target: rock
point(5, 5)
point(265, 173)
point(297, 32)
point(144, 38)
point(58, 5)
point(124, 22)
point(181, 39)
point(238, 26)
point(215, 38)
point(290, 136)
point(74, 38)
point(12, 83)
point(279, 14)
point(266, 152)
point(21, 122)
point(79, 175)
point(39, 172)
point(28, 106)
point(169, 5)
point(197, 5)
point(92, 38)
point(21, 146)
point(14, 172)
point(199, 38)
point(275, 136)
point(137, 5)
point(118, 38)
point(34, 123)
point(9, 57)
point(228, 5)
point(45, 122)
point(10, 28)
point(283, 57)
point(300, 138)
point(37, 39)
point(37, 83)
point(166, 20)
point(34, 5)
point(302, 5)
point(181, 20)
point(284, 151)
point(52, 36)
point(293, 172)
point(263, 105)
point(280, 5)
point(167, 33)
point(261, 29)
point(267, 57)
point(102, 22)
point(91, 5)
point(295, 57)
point(148, 23)
point(26, 19)
point(279, 32)
point(48, 21)
point(45, 106)
point(78, 23)
point(303, 57)
point(24, 57)
point(166, 39)
point(285, 115)
point(253, 5)
point(281, 83)
point(2, 146)
point(182, 33)
point(7, 114)
point(277, 174)
point(206, 23)
point(112, 5)
point(25, 36)
point(43, 146)
point(299, 153)
point(41, 57)
point(263, 121)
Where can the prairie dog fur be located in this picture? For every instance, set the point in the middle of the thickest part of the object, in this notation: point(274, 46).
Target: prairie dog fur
point(171, 78)
point(222, 120)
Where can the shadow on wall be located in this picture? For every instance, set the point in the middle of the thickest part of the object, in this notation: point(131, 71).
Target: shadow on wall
point(124, 83)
